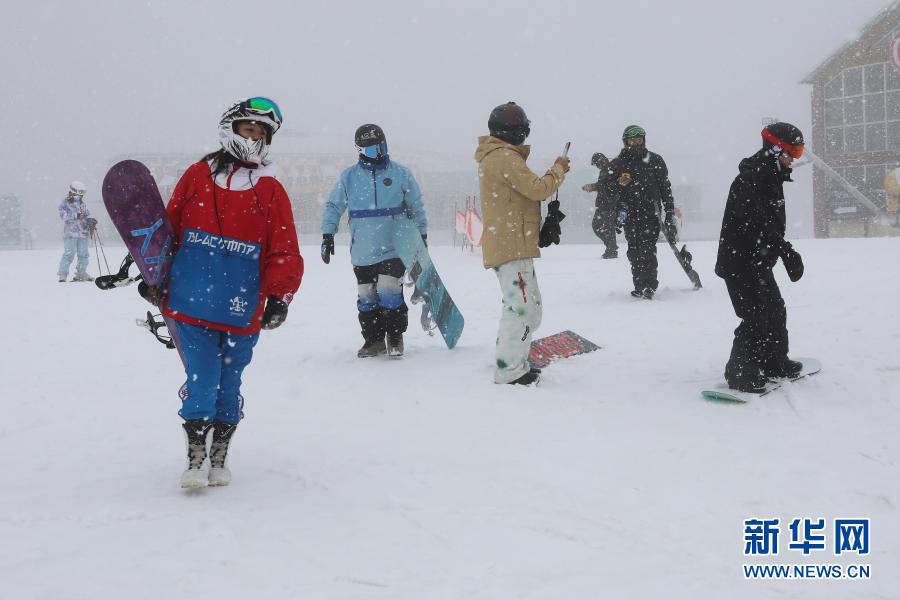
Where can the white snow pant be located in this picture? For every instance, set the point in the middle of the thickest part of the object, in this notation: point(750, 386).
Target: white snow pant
point(520, 318)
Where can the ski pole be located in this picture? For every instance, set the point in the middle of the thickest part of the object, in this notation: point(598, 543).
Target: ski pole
point(99, 244)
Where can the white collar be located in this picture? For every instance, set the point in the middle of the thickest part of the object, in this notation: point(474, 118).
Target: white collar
point(244, 178)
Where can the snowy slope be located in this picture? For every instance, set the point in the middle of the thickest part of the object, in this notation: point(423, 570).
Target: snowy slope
point(421, 479)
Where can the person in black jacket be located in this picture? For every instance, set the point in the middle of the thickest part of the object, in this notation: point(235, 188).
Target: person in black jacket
point(604, 221)
point(640, 180)
point(750, 244)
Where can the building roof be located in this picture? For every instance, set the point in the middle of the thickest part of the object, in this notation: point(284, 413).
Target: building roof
point(872, 32)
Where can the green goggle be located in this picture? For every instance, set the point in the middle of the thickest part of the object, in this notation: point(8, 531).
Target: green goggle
point(634, 131)
point(264, 106)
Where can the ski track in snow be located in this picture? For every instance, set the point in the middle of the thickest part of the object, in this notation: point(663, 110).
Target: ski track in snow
point(419, 478)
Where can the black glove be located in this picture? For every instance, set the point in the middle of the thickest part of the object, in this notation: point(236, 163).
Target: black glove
point(327, 247)
point(425, 239)
point(276, 312)
point(150, 293)
point(550, 230)
point(793, 264)
point(670, 228)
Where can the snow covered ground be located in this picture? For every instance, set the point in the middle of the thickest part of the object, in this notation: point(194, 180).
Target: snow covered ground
point(421, 479)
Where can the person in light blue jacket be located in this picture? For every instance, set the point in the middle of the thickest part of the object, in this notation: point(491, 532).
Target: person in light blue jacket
point(76, 229)
point(377, 191)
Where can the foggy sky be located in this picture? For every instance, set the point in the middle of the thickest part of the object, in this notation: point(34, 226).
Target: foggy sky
point(86, 82)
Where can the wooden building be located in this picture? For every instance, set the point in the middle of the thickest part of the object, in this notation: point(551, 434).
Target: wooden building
point(856, 130)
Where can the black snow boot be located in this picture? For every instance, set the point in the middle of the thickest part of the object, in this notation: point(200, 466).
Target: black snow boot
point(219, 474)
point(753, 383)
point(373, 333)
point(532, 377)
point(395, 322)
point(195, 431)
point(395, 344)
point(783, 368)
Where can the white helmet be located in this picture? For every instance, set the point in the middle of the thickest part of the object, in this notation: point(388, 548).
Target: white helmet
point(76, 188)
point(258, 109)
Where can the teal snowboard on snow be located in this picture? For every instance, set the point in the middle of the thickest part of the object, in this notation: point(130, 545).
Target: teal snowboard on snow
point(722, 393)
point(414, 254)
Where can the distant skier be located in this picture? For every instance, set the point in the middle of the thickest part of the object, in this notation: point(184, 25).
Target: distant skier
point(236, 269)
point(511, 196)
point(604, 220)
point(76, 229)
point(640, 180)
point(751, 241)
point(377, 190)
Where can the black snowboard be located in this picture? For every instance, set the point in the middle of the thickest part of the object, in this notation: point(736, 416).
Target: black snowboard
point(683, 257)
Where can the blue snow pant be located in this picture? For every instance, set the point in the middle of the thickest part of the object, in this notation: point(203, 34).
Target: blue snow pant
point(71, 247)
point(214, 361)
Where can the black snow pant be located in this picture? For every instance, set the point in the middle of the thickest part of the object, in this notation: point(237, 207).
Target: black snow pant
point(761, 339)
point(642, 238)
point(380, 302)
point(604, 226)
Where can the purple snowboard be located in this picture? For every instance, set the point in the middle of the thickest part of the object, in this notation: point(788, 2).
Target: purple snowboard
point(139, 214)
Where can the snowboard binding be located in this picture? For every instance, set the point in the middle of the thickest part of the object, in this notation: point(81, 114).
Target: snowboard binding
point(154, 327)
point(119, 279)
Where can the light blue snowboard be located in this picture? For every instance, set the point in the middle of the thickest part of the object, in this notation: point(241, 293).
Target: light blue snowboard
point(723, 393)
point(414, 254)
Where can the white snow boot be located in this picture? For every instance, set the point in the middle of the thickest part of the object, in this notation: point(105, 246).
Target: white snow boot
point(219, 474)
point(195, 431)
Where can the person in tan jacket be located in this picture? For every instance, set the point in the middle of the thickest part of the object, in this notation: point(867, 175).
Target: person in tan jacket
point(511, 196)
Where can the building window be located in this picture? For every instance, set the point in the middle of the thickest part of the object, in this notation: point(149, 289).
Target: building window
point(874, 105)
point(834, 113)
point(834, 140)
point(874, 78)
point(893, 106)
point(853, 81)
point(853, 110)
point(854, 139)
point(835, 87)
point(893, 135)
point(893, 79)
point(860, 115)
point(875, 137)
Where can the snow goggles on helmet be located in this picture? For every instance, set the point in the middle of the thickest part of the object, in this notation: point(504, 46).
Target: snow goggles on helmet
point(794, 150)
point(633, 131)
point(263, 106)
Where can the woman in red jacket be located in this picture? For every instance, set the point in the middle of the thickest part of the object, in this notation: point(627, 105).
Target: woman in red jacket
point(236, 269)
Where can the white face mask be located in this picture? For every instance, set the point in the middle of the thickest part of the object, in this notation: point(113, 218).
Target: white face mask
point(245, 150)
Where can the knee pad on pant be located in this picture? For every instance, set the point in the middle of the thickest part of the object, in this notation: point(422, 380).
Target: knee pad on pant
point(390, 292)
point(366, 297)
